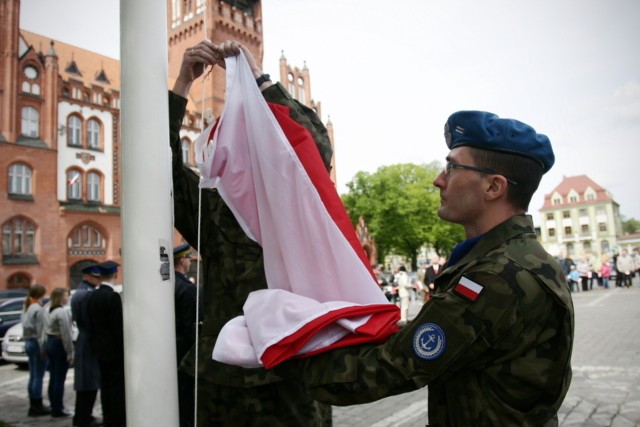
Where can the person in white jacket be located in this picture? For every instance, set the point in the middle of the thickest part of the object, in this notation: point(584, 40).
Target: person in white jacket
point(626, 267)
point(404, 292)
point(56, 340)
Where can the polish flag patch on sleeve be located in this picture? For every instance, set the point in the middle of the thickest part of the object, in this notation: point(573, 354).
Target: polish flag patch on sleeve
point(468, 289)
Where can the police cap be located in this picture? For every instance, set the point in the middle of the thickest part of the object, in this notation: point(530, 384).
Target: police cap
point(92, 270)
point(108, 267)
point(182, 251)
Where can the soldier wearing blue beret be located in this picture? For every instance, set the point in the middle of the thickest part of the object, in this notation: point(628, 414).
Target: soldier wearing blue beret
point(493, 343)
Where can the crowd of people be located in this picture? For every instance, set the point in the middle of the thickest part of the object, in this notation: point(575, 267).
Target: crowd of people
point(97, 352)
point(492, 342)
point(608, 270)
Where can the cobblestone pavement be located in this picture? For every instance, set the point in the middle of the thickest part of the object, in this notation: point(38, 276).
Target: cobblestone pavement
point(605, 391)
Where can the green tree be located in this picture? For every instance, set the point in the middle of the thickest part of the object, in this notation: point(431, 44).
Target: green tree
point(630, 226)
point(400, 203)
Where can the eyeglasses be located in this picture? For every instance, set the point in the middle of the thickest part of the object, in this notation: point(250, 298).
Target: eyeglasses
point(449, 166)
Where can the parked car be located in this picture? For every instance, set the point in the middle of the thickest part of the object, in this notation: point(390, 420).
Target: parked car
point(13, 346)
point(10, 312)
point(6, 294)
point(13, 349)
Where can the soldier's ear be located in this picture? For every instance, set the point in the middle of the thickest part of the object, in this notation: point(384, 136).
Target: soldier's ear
point(496, 188)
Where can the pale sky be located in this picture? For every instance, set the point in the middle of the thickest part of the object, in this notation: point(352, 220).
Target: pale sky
point(390, 73)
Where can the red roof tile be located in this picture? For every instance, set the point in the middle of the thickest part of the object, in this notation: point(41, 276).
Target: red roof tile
point(579, 184)
point(90, 64)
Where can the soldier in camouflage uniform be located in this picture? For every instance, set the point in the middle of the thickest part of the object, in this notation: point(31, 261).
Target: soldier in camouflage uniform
point(493, 344)
point(233, 267)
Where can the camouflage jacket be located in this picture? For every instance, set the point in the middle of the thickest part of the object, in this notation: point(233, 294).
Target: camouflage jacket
point(493, 343)
point(232, 268)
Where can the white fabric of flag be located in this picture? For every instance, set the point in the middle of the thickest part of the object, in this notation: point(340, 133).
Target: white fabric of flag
point(312, 271)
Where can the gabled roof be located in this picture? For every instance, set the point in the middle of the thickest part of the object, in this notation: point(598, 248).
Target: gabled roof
point(579, 184)
point(77, 63)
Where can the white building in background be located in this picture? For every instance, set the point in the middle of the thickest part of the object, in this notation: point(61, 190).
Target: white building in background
point(580, 217)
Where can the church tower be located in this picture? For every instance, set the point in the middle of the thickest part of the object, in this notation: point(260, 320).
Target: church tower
point(298, 83)
point(9, 33)
point(190, 22)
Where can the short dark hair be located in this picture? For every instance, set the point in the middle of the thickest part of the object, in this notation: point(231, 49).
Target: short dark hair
point(526, 172)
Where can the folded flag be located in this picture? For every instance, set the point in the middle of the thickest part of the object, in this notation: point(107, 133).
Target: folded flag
point(321, 291)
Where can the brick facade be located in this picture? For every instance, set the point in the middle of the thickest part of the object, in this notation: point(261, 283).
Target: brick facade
point(59, 117)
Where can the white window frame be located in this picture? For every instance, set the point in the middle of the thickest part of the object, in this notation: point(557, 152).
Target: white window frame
point(30, 122)
point(93, 187)
point(93, 134)
point(185, 147)
point(20, 179)
point(74, 131)
point(74, 190)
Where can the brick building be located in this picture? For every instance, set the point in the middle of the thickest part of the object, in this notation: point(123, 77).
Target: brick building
point(60, 143)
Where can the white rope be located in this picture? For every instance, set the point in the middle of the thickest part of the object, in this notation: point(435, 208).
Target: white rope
point(197, 323)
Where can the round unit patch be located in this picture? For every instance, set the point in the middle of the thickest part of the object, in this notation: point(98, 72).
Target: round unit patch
point(429, 341)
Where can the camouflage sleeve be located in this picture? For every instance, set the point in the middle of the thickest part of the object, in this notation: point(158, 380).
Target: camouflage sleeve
point(276, 94)
point(449, 333)
point(185, 180)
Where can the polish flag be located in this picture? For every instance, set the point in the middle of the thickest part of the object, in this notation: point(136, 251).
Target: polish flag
point(321, 291)
point(468, 288)
point(73, 179)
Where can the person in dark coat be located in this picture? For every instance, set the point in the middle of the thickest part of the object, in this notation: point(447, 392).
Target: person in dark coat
point(87, 371)
point(186, 297)
point(430, 275)
point(104, 309)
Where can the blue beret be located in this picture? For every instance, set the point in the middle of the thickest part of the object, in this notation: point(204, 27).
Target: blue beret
point(182, 250)
point(108, 267)
point(487, 131)
point(91, 269)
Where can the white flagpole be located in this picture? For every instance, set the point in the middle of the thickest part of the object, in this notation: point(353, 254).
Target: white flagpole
point(147, 217)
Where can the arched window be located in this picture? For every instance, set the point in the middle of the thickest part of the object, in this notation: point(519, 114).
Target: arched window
point(18, 238)
point(74, 131)
point(301, 91)
point(185, 144)
point(19, 179)
point(93, 134)
point(74, 184)
point(86, 240)
point(290, 85)
point(30, 122)
point(30, 85)
point(93, 187)
point(19, 281)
